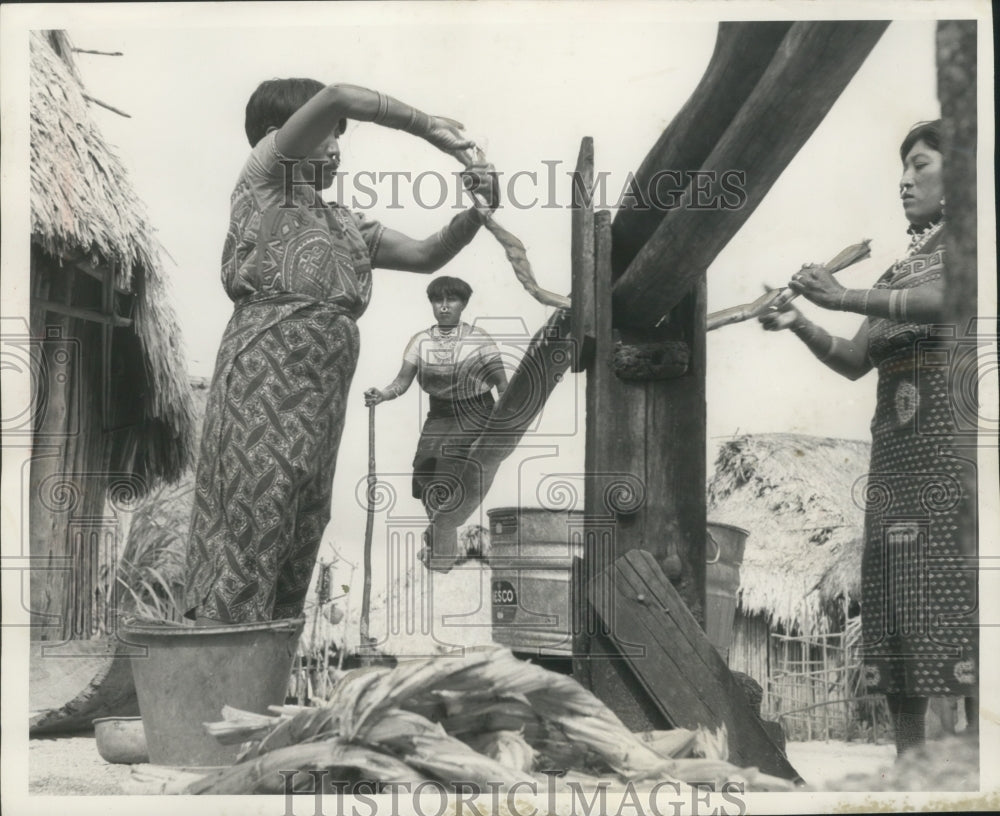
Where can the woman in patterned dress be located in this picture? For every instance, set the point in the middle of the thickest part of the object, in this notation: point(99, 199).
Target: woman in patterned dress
point(919, 589)
point(299, 270)
point(458, 365)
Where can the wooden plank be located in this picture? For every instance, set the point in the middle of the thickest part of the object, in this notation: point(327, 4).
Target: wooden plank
point(611, 678)
point(582, 255)
point(83, 314)
point(805, 78)
point(601, 438)
point(618, 595)
point(743, 50)
point(638, 600)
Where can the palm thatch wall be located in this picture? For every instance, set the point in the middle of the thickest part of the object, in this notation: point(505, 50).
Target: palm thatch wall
point(796, 496)
point(113, 408)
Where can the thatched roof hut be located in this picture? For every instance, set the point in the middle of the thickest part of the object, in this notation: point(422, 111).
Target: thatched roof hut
point(86, 214)
point(113, 412)
point(796, 495)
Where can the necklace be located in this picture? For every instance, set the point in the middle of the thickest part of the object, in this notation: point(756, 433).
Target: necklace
point(918, 240)
point(446, 340)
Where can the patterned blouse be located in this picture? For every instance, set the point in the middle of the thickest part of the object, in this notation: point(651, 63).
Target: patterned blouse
point(284, 239)
point(454, 367)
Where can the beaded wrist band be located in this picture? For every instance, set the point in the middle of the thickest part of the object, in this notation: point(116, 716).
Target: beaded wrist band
point(460, 231)
point(395, 114)
point(854, 300)
point(826, 355)
point(813, 336)
point(383, 108)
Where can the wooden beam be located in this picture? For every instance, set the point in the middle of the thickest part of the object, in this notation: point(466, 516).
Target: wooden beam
point(83, 314)
point(582, 255)
point(807, 75)
point(742, 53)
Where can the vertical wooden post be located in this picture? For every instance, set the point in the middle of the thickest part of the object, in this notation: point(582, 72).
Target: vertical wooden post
point(645, 458)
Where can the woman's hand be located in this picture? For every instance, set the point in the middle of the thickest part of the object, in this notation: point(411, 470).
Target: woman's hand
point(446, 134)
point(481, 180)
point(373, 396)
point(815, 283)
point(780, 317)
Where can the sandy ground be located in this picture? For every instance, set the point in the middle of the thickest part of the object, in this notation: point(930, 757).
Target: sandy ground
point(71, 765)
point(823, 762)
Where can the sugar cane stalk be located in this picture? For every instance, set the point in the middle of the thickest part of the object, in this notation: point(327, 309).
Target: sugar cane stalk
point(513, 248)
point(779, 297)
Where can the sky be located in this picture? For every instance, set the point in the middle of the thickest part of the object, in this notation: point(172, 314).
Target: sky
point(527, 93)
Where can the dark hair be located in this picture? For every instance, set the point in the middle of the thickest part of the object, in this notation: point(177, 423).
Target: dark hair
point(449, 287)
point(927, 132)
point(273, 103)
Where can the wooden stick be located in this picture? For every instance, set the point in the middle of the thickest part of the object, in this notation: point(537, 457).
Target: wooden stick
point(111, 108)
point(99, 53)
point(363, 647)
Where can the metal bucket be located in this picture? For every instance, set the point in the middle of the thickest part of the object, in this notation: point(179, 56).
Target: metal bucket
point(531, 555)
point(191, 672)
point(724, 547)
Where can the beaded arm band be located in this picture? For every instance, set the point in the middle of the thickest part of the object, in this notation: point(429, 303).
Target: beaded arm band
point(395, 114)
point(897, 305)
point(818, 341)
point(461, 230)
point(854, 300)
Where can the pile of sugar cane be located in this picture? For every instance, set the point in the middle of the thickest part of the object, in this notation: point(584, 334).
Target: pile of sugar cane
point(483, 718)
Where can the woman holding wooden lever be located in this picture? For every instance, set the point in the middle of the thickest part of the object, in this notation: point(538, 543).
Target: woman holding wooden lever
point(299, 270)
point(919, 592)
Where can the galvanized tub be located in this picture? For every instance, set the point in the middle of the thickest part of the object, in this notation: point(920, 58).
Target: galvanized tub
point(531, 555)
point(191, 672)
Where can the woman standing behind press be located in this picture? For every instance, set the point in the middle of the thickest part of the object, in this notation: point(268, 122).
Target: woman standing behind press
point(919, 591)
point(458, 366)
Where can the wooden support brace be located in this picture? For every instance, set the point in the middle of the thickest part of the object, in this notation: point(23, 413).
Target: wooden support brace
point(679, 670)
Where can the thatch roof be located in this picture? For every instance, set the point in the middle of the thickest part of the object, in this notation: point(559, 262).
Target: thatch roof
point(83, 206)
point(796, 495)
